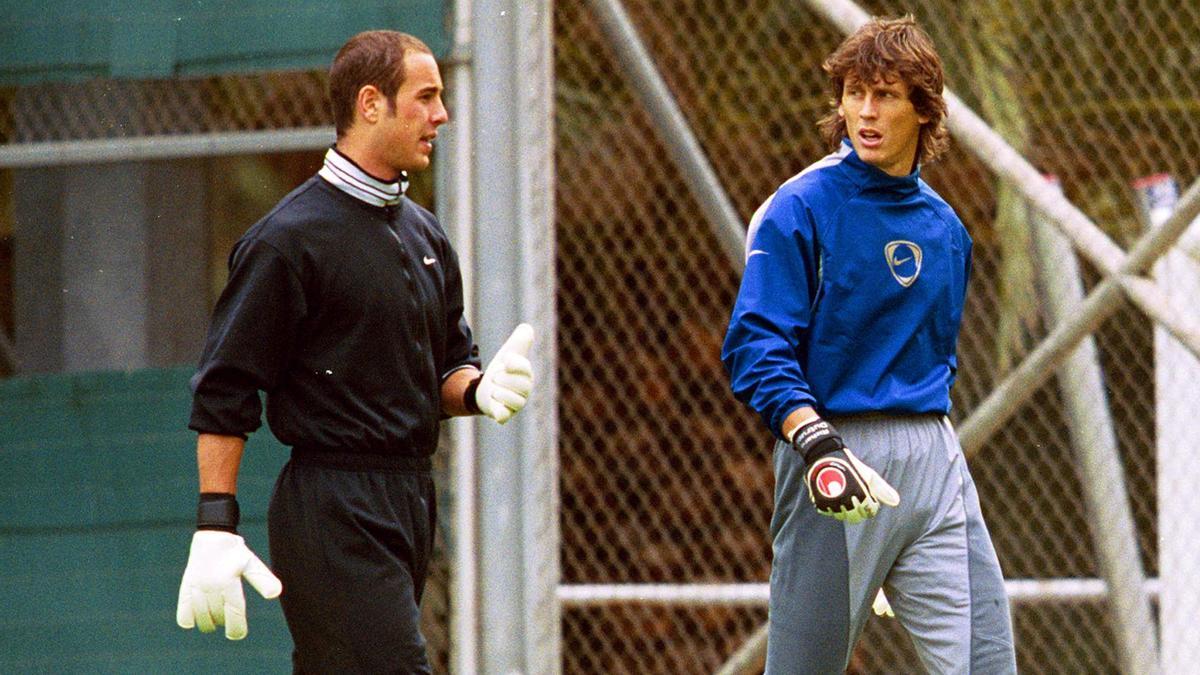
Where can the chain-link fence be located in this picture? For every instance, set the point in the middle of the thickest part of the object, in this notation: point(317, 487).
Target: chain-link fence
point(105, 109)
point(666, 479)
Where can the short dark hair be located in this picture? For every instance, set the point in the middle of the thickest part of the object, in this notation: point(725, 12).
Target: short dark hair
point(374, 57)
point(887, 48)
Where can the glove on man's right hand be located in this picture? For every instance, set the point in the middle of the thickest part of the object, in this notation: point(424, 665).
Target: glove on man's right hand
point(839, 484)
point(211, 591)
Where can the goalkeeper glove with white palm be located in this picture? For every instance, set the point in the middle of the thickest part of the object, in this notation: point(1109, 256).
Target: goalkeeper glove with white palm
point(506, 383)
point(211, 591)
point(839, 484)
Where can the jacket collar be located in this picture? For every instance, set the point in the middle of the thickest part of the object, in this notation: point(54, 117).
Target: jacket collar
point(341, 172)
point(875, 177)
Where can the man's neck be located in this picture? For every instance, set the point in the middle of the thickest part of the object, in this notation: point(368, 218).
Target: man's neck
point(358, 152)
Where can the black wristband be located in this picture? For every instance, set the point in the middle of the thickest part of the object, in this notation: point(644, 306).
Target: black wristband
point(217, 511)
point(816, 439)
point(469, 401)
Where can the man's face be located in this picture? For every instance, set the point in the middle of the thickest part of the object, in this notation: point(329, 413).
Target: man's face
point(409, 126)
point(881, 122)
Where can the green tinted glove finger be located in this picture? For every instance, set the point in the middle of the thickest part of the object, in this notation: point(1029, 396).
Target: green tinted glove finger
point(861, 510)
point(234, 611)
point(854, 516)
point(216, 605)
point(201, 613)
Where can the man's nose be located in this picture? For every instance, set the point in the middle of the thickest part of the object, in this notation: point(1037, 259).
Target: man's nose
point(440, 116)
point(868, 107)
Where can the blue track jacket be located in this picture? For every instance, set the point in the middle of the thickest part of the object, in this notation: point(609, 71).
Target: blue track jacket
point(852, 296)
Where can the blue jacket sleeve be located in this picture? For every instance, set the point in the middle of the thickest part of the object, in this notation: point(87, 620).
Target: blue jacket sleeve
point(766, 342)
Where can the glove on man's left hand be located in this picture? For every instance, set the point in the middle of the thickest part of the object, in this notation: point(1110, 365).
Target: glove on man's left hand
point(508, 379)
point(839, 484)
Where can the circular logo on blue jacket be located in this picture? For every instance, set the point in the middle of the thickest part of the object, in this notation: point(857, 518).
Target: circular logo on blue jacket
point(904, 261)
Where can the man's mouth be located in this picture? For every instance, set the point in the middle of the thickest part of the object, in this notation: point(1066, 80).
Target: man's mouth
point(870, 138)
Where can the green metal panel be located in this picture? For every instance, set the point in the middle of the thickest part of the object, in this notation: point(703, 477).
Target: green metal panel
point(97, 506)
point(55, 40)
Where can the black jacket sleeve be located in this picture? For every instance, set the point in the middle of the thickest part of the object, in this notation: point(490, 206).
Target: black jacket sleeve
point(460, 350)
point(249, 342)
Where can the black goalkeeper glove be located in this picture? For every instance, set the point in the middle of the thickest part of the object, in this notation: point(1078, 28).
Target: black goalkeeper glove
point(839, 484)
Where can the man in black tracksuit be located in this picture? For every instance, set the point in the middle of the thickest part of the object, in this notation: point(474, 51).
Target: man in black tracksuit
point(344, 304)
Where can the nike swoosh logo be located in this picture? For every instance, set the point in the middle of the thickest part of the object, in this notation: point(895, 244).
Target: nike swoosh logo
point(757, 252)
point(901, 261)
point(429, 261)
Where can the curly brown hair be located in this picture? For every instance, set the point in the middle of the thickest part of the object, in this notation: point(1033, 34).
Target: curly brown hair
point(888, 49)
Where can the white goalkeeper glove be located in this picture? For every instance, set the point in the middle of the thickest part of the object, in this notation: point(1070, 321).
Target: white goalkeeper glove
point(508, 379)
point(211, 591)
point(881, 606)
point(839, 484)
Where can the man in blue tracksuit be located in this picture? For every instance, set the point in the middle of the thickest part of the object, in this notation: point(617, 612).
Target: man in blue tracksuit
point(843, 339)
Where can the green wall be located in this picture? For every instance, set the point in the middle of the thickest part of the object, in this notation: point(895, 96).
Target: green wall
point(54, 40)
point(97, 507)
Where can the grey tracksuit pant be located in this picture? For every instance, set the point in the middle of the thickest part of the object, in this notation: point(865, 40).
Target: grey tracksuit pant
point(932, 554)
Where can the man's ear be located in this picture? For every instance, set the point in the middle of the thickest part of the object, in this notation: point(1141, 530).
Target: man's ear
point(369, 104)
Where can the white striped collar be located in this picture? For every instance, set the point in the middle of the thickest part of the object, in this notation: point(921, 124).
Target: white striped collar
point(345, 175)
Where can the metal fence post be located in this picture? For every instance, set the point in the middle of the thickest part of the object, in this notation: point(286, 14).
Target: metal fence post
point(1177, 422)
point(514, 249)
point(1102, 477)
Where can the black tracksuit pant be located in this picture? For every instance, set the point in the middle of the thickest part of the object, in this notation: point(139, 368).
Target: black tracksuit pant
point(352, 548)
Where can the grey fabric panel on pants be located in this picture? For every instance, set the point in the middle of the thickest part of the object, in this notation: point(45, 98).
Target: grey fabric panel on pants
point(808, 612)
point(932, 552)
point(352, 549)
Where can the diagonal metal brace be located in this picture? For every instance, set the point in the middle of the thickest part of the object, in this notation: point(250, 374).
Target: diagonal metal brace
point(683, 145)
point(1101, 303)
